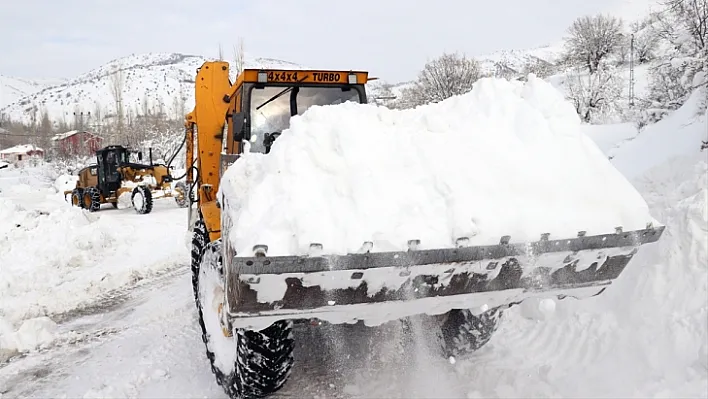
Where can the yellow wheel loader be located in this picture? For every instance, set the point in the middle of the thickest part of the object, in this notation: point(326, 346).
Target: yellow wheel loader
point(250, 343)
point(114, 174)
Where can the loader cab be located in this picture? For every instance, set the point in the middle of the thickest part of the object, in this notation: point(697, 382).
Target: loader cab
point(271, 97)
point(108, 160)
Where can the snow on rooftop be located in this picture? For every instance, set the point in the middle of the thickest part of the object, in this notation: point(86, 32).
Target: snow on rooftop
point(20, 149)
point(508, 158)
point(62, 136)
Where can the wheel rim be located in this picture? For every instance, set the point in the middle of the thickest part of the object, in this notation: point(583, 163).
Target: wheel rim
point(181, 195)
point(211, 302)
point(179, 198)
point(138, 200)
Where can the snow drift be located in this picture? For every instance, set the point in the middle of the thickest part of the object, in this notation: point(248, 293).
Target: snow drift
point(508, 158)
point(673, 136)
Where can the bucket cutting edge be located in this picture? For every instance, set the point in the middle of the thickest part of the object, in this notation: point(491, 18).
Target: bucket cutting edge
point(294, 287)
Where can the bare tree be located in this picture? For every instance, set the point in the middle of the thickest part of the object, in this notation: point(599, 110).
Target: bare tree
point(117, 92)
point(160, 109)
point(34, 117)
point(239, 57)
point(692, 18)
point(146, 105)
point(441, 78)
point(45, 131)
point(179, 106)
point(538, 67)
point(503, 70)
point(646, 39)
point(98, 118)
point(665, 88)
point(623, 50)
point(683, 25)
point(595, 96)
point(591, 39)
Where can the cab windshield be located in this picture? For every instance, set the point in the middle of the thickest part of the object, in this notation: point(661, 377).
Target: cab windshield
point(272, 115)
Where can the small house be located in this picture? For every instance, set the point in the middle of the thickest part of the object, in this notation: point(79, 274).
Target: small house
point(22, 154)
point(77, 143)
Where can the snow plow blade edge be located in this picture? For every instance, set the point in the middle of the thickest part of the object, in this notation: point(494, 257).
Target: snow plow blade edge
point(266, 289)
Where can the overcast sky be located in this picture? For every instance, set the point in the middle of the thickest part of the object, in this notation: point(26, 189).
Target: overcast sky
point(390, 38)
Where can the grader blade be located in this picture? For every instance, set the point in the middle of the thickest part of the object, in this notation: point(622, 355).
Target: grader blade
point(380, 286)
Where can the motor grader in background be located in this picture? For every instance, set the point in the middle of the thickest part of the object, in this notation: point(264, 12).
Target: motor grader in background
point(249, 342)
point(114, 175)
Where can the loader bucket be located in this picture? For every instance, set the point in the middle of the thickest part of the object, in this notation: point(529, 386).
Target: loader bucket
point(380, 286)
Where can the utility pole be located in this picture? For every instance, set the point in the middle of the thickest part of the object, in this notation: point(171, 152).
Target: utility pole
point(631, 71)
point(79, 119)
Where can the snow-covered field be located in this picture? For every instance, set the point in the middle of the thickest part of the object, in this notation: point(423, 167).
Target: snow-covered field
point(646, 336)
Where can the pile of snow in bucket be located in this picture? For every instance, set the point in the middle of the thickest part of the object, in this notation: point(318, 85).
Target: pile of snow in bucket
point(507, 158)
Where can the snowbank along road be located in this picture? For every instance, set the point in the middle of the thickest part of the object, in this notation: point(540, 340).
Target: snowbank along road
point(646, 336)
point(59, 261)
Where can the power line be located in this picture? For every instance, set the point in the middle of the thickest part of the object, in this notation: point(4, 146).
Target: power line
point(19, 135)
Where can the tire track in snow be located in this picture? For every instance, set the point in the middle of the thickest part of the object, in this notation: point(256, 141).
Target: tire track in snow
point(537, 358)
point(112, 299)
point(90, 326)
point(158, 352)
point(562, 343)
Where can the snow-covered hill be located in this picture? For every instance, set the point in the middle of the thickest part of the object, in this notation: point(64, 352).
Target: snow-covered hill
point(165, 79)
point(12, 89)
point(516, 59)
point(500, 63)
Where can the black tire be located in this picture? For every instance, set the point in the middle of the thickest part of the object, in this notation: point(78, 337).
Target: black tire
point(463, 332)
point(77, 197)
point(182, 202)
point(91, 199)
point(200, 238)
point(260, 361)
point(144, 206)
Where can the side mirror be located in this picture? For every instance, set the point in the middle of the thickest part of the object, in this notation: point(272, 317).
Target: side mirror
point(140, 155)
point(238, 120)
